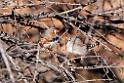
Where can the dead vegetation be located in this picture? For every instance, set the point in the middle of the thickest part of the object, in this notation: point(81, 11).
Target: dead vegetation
point(23, 24)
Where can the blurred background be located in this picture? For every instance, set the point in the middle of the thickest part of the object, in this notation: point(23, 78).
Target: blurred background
point(23, 23)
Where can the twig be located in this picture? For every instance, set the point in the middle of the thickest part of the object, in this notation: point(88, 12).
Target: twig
point(7, 63)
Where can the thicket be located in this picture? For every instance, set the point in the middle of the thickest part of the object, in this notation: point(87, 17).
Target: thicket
point(23, 24)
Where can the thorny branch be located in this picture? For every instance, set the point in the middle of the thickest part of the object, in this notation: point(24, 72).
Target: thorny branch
point(24, 60)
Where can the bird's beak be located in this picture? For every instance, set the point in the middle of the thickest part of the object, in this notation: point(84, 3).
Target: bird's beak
point(67, 38)
point(57, 30)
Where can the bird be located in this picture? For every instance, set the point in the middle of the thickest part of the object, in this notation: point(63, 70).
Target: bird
point(77, 47)
point(50, 39)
